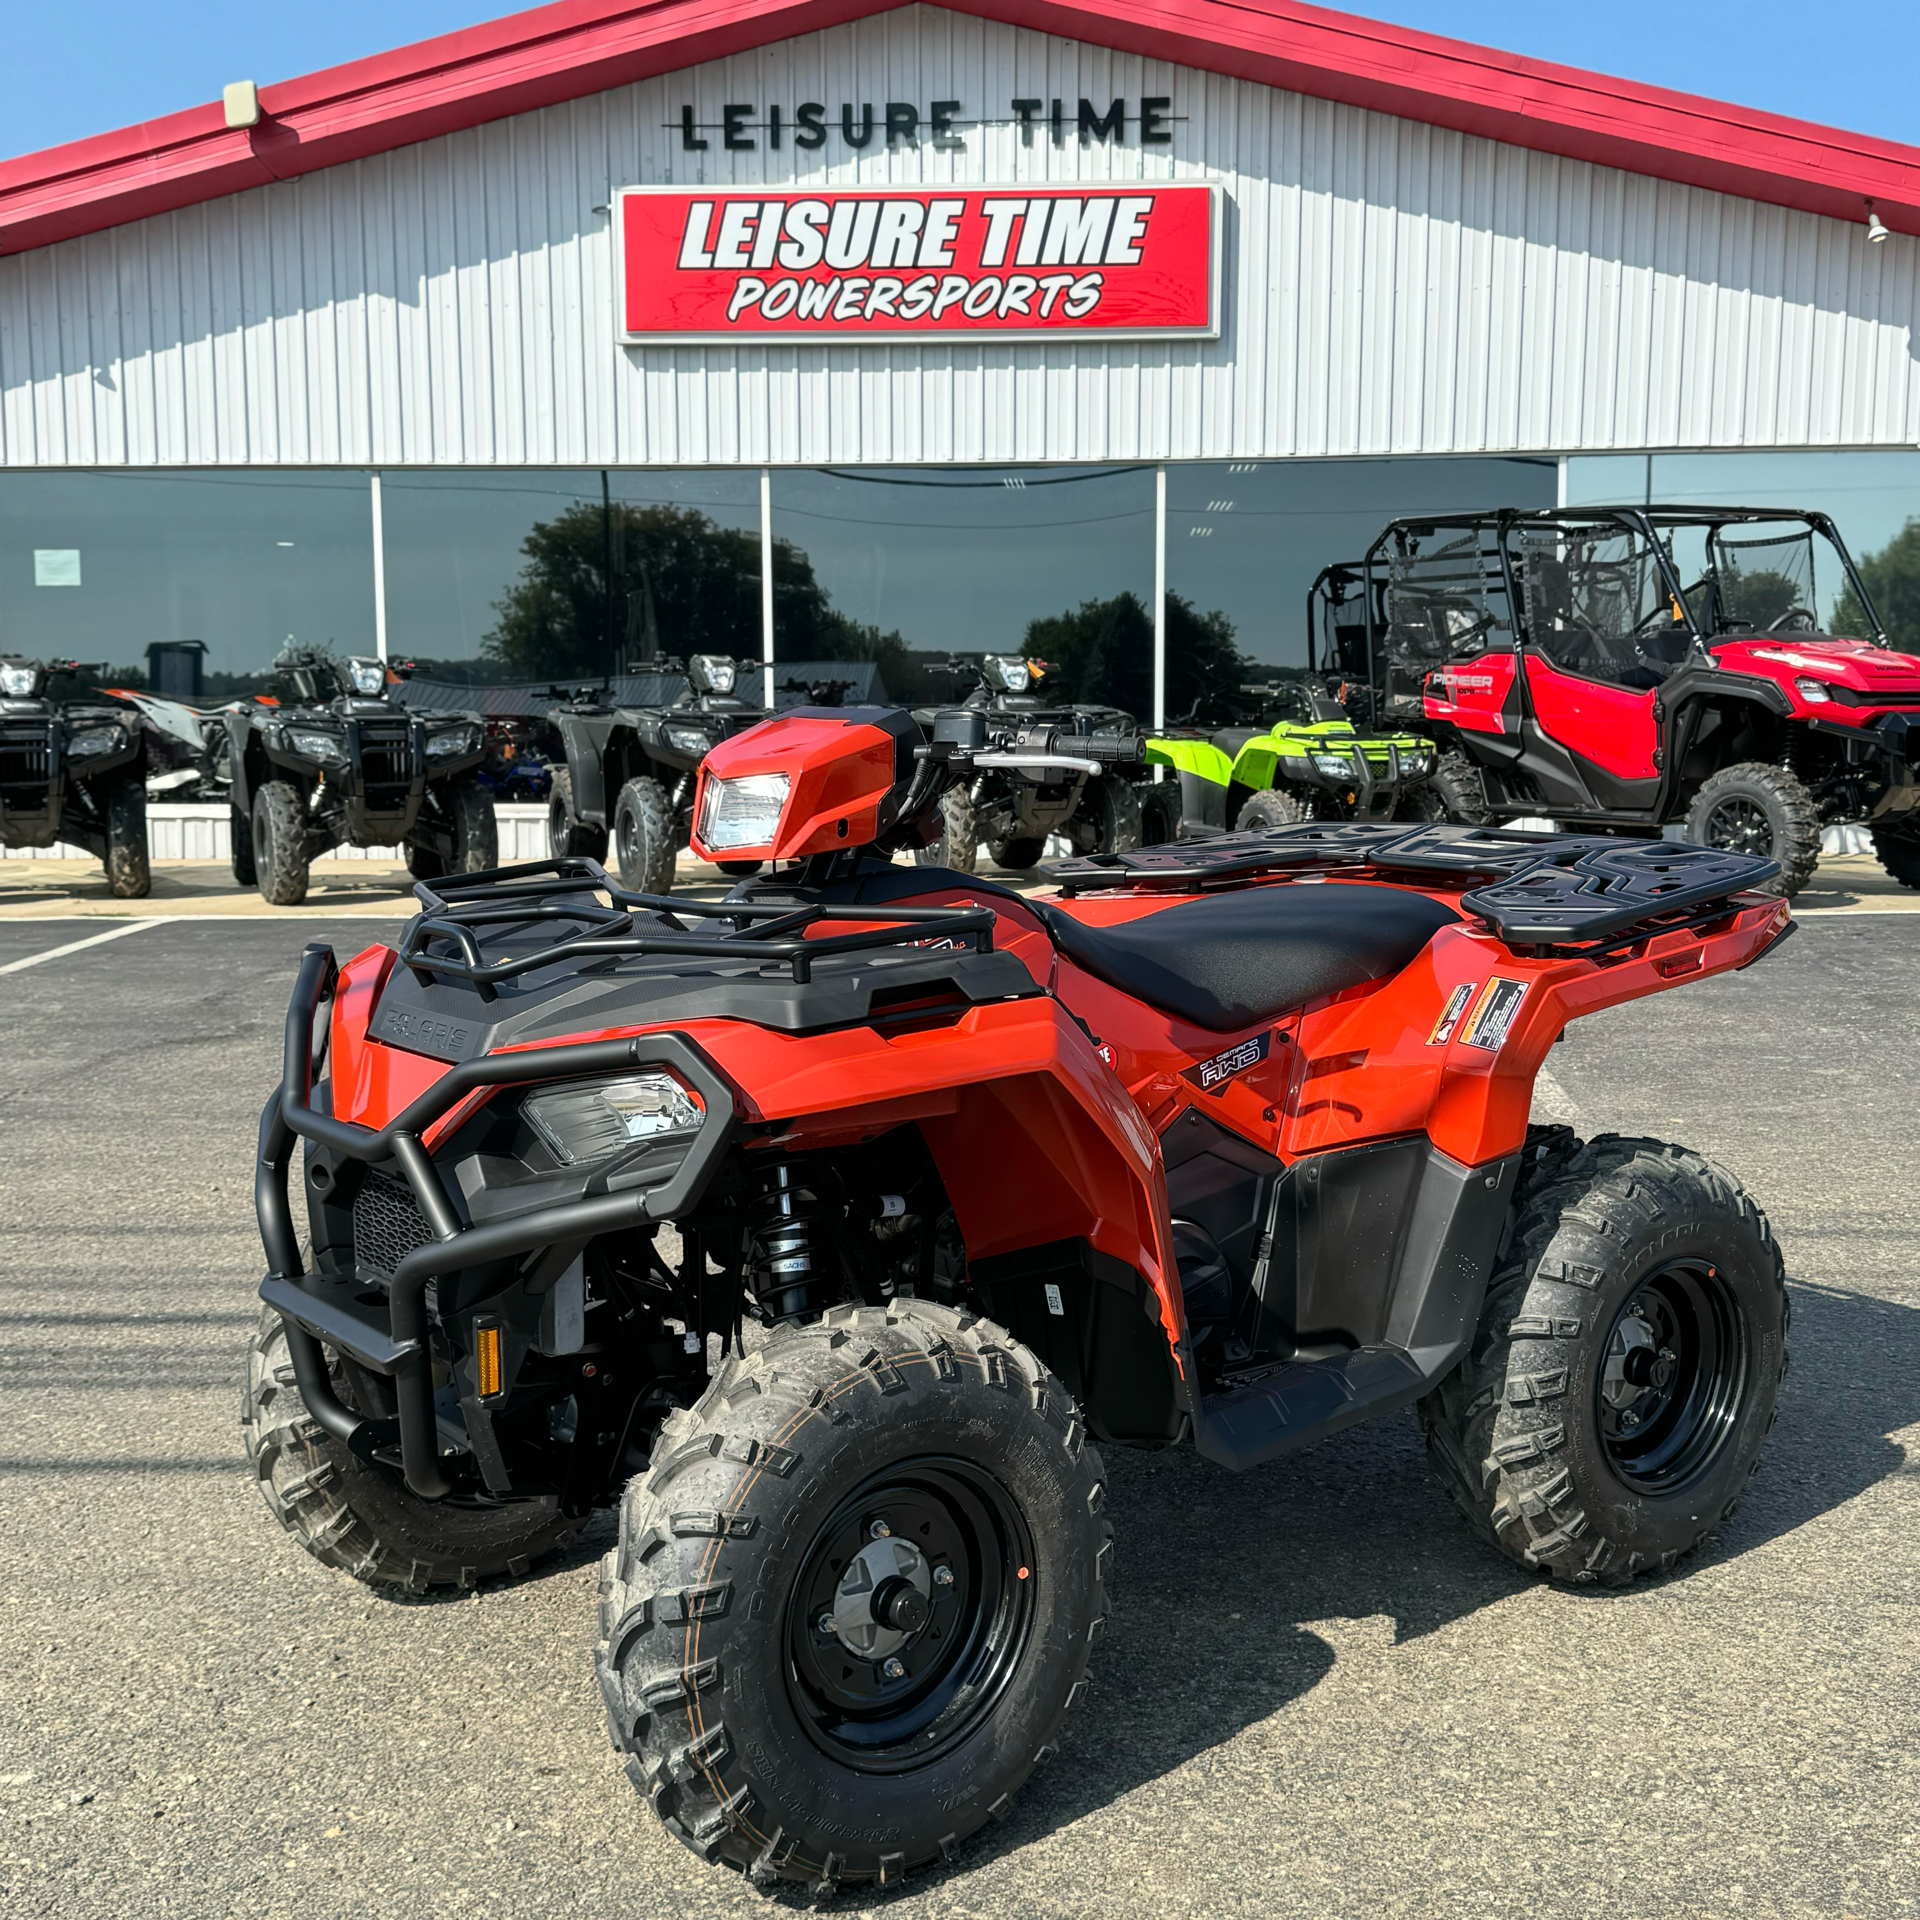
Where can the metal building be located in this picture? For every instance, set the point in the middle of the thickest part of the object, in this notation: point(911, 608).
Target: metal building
point(427, 270)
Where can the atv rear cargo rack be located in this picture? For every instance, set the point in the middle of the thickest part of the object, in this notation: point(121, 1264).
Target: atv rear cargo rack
point(1543, 891)
point(456, 913)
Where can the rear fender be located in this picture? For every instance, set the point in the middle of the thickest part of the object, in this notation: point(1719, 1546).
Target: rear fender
point(1201, 758)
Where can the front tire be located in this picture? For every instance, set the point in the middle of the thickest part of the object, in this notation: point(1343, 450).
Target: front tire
point(1018, 855)
point(956, 847)
point(643, 843)
point(129, 877)
point(1456, 790)
point(280, 843)
point(353, 1516)
point(1160, 814)
point(240, 849)
point(1757, 808)
point(1627, 1364)
point(476, 829)
point(916, 1437)
point(1274, 808)
point(1109, 818)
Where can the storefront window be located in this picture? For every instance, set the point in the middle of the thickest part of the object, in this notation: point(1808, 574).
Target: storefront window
point(908, 566)
point(97, 567)
point(1873, 498)
point(554, 575)
point(1247, 539)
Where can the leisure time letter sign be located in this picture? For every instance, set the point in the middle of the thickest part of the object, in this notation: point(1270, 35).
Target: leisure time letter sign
point(890, 263)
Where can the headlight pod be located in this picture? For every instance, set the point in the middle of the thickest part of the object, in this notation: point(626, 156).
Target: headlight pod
point(712, 673)
point(1814, 692)
point(18, 679)
point(368, 676)
point(1007, 672)
point(688, 740)
point(452, 740)
point(95, 740)
point(744, 812)
point(328, 748)
point(1333, 762)
point(589, 1119)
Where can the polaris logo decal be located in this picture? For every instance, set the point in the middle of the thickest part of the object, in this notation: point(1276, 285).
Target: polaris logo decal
point(405, 1027)
point(1493, 1015)
point(1450, 1017)
point(1210, 1074)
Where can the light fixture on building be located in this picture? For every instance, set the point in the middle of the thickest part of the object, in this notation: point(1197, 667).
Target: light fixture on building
point(242, 102)
point(1876, 227)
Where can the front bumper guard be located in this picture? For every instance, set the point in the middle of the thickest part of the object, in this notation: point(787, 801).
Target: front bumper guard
point(404, 1350)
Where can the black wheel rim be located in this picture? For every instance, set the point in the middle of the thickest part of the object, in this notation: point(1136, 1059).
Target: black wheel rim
point(632, 844)
point(919, 1658)
point(1673, 1378)
point(1740, 826)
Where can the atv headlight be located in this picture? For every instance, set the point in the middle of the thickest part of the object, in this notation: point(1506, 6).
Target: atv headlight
point(688, 740)
point(743, 812)
point(1333, 763)
point(451, 740)
point(1814, 692)
point(368, 676)
point(17, 678)
point(91, 740)
point(328, 748)
point(1008, 673)
point(591, 1119)
point(712, 673)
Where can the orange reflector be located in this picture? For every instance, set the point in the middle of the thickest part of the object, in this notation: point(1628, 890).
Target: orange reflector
point(486, 1358)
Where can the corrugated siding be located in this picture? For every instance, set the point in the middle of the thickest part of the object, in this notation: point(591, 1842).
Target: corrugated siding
point(1391, 288)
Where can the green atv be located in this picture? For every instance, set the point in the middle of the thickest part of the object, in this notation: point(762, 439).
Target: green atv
point(1304, 761)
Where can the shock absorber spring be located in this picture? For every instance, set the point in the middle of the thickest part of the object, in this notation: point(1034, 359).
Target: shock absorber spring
point(781, 1221)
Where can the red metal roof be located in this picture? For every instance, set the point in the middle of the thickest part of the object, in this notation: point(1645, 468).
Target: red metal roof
point(577, 47)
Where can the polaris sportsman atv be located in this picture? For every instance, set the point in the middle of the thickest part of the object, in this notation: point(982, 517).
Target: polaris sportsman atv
point(74, 770)
point(1310, 764)
point(701, 1208)
point(1622, 668)
point(629, 771)
point(338, 761)
point(1073, 770)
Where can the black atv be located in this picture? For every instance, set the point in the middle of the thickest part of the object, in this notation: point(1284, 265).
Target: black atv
point(1089, 788)
point(338, 761)
point(73, 769)
point(629, 770)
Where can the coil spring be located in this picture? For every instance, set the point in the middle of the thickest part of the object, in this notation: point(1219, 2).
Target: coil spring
point(781, 1220)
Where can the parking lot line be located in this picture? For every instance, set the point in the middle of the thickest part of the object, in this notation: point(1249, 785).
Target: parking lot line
point(73, 946)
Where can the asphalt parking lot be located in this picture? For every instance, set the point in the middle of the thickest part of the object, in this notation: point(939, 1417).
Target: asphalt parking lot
point(1318, 1696)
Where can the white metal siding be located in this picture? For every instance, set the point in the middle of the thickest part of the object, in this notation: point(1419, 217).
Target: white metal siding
point(1390, 288)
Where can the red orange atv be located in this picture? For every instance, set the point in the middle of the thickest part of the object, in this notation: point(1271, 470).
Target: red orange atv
point(704, 1209)
point(1627, 667)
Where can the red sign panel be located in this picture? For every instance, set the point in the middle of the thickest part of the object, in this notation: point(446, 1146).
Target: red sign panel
point(889, 263)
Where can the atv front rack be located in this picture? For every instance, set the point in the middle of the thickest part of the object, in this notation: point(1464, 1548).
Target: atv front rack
point(1586, 893)
point(446, 939)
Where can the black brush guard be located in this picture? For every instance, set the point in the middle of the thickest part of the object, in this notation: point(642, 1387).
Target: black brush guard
point(458, 912)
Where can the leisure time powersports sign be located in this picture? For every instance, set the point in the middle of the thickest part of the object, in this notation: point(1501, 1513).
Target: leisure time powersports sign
point(1138, 261)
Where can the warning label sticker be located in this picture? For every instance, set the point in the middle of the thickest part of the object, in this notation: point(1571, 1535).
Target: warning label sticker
point(1450, 1018)
point(1493, 1014)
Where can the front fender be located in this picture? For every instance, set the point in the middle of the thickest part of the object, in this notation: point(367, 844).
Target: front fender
point(1199, 757)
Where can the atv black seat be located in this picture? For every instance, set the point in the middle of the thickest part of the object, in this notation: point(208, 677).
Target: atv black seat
point(1231, 739)
point(1228, 961)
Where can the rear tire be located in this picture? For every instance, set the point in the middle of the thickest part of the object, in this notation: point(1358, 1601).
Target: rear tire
point(1274, 808)
point(643, 837)
point(1757, 808)
point(776, 1745)
point(1160, 814)
point(956, 847)
point(1627, 1363)
point(280, 844)
point(1899, 852)
point(240, 849)
point(353, 1516)
point(567, 837)
point(1456, 790)
point(129, 877)
point(1108, 818)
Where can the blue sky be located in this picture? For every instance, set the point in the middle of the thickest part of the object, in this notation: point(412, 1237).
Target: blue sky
point(85, 66)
